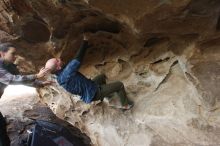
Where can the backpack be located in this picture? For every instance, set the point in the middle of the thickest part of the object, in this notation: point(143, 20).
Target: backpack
point(46, 133)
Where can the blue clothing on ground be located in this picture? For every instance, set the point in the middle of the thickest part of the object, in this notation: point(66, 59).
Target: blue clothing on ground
point(76, 83)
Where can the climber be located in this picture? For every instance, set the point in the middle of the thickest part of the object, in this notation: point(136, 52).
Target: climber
point(9, 73)
point(76, 83)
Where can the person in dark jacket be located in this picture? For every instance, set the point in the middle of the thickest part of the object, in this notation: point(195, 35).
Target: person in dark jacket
point(9, 73)
point(76, 83)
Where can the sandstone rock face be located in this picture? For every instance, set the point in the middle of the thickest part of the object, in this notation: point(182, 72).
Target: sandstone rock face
point(166, 52)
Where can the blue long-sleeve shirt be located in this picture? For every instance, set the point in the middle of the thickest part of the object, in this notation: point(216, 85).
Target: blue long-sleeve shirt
point(76, 83)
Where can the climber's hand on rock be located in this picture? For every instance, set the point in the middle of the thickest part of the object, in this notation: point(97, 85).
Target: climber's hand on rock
point(86, 36)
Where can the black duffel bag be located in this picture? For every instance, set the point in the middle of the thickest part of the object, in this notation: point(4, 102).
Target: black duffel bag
point(45, 133)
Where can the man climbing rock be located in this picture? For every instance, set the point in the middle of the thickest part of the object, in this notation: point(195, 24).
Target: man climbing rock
point(9, 74)
point(76, 83)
